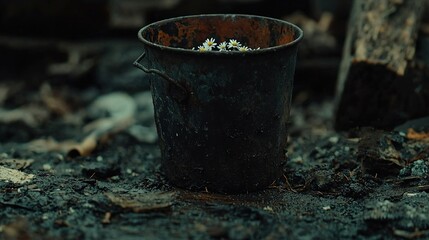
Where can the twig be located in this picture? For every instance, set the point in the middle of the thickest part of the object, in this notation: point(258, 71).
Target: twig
point(14, 205)
point(289, 187)
point(422, 187)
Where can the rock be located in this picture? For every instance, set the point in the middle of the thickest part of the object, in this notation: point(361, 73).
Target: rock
point(410, 212)
point(381, 152)
point(113, 105)
point(143, 134)
point(418, 168)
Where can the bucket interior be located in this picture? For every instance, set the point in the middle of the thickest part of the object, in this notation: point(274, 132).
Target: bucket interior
point(189, 32)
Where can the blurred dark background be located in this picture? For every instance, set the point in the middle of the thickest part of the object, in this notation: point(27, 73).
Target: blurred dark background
point(94, 42)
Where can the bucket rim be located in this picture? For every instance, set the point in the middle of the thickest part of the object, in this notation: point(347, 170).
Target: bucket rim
point(223, 53)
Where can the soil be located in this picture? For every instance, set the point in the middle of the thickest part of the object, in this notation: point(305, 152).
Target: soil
point(335, 185)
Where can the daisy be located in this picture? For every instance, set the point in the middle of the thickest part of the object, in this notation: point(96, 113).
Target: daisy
point(243, 49)
point(208, 47)
point(211, 42)
point(222, 47)
point(204, 48)
point(234, 44)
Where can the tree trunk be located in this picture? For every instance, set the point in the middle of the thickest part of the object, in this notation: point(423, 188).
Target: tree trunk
point(382, 82)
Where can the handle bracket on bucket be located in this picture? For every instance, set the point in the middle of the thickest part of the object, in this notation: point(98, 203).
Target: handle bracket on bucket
point(156, 71)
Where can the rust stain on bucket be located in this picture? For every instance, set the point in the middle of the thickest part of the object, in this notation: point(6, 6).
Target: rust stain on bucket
point(255, 32)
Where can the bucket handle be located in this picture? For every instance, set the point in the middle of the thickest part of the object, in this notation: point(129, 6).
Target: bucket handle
point(156, 71)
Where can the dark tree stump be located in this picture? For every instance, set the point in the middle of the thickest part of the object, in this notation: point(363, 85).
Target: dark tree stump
point(381, 82)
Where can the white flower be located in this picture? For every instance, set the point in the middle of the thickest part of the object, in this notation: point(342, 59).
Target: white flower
point(222, 47)
point(211, 42)
point(208, 47)
point(231, 45)
point(234, 44)
point(204, 48)
point(253, 49)
point(243, 49)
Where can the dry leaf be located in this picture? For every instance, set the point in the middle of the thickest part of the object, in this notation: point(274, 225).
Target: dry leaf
point(143, 202)
point(412, 134)
point(71, 147)
point(31, 115)
point(84, 148)
point(87, 145)
point(15, 176)
point(51, 145)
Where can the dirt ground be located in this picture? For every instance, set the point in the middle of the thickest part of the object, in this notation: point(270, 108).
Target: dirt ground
point(59, 182)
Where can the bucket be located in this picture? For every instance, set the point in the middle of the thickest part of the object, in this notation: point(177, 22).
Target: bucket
point(221, 116)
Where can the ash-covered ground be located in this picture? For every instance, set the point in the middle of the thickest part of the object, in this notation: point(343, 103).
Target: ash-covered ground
point(80, 160)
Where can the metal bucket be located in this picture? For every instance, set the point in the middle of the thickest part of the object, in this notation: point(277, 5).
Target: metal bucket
point(221, 116)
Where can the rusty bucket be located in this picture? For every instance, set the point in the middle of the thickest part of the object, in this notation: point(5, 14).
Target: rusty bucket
point(221, 116)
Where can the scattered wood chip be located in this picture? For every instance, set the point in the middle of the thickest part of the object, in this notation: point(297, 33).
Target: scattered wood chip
point(15, 176)
point(410, 235)
point(326, 208)
point(143, 202)
point(106, 218)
